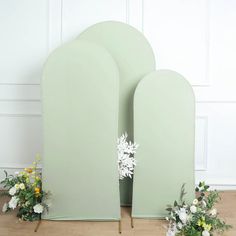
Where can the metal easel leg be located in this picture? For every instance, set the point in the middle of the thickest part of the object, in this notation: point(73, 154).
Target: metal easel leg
point(37, 226)
point(132, 222)
point(119, 226)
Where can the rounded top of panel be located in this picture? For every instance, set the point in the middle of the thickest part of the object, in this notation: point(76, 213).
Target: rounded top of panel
point(157, 80)
point(80, 54)
point(129, 47)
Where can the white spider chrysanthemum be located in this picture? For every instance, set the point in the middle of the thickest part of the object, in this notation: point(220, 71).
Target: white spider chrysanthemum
point(126, 160)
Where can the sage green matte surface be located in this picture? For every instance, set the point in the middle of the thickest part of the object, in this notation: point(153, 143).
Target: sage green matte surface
point(164, 120)
point(134, 57)
point(80, 121)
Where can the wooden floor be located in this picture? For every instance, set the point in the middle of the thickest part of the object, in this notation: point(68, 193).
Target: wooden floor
point(10, 226)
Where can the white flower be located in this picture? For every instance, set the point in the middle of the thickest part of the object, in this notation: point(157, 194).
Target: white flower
point(13, 202)
point(213, 212)
point(38, 208)
point(172, 230)
point(22, 186)
point(193, 209)
point(179, 225)
point(12, 191)
point(5, 207)
point(170, 233)
point(126, 161)
point(17, 173)
point(182, 215)
point(195, 202)
point(205, 233)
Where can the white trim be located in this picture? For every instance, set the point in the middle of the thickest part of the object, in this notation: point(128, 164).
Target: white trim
point(217, 101)
point(54, 24)
point(142, 8)
point(16, 166)
point(19, 100)
point(204, 165)
point(127, 12)
point(14, 83)
point(207, 72)
point(61, 21)
point(20, 115)
point(222, 186)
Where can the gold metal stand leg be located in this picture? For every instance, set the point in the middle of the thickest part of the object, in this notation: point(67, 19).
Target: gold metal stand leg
point(132, 222)
point(37, 226)
point(119, 226)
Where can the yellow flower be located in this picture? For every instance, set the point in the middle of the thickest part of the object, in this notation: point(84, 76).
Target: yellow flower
point(17, 186)
point(37, 190)
point(28, 170)
point(37, 178)
point(199, 223)
point(207, 227)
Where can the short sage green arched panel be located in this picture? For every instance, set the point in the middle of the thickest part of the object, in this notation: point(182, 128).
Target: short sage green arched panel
point(164, 120)
point(80, 120)
point(134, 57)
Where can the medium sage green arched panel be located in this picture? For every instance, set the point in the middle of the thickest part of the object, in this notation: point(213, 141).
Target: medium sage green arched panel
point(80, 120)
point(164, 120)
point(134, 57)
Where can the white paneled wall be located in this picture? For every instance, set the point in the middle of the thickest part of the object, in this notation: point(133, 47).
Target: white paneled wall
point(194, 37)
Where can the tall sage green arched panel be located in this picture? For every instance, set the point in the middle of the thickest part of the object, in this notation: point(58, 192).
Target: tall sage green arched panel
point(164, 120)
point(80, 120)
point(135, 58)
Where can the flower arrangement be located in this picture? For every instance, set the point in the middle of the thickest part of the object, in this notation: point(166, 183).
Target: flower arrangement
point(126, 160)
point(197, 219)
point(25, 190)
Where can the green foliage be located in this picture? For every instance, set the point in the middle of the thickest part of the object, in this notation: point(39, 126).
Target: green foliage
point(196, 219)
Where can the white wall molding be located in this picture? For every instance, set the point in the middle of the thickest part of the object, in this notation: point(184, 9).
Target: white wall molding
point(216, 101)
point(201, 144)
point(142, 17)
point(14, 84)
point(127, 11)
point(222, 186)
point(135, 14)
point(54, 24)
point(21, 115)
point(19, 100)
point(6, 166)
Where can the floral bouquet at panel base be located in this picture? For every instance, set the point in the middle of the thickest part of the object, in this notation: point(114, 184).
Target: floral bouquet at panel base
point(25, 190)
point(197, 219)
